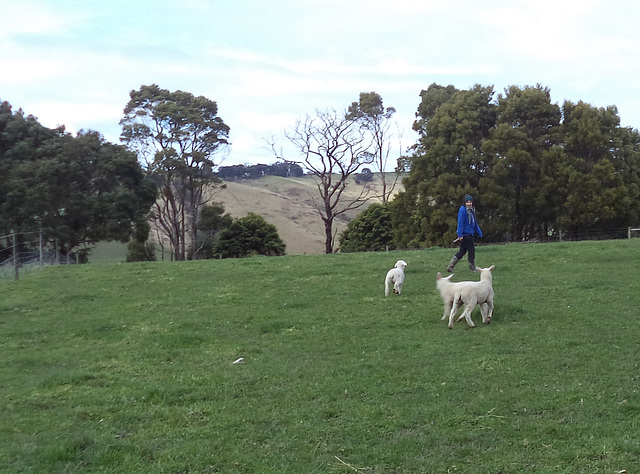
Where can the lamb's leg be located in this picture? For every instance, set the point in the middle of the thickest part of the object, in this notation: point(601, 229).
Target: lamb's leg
point(489, 310)
point(484, 311)
point(447, 309)
point(454, 310)
point(468, 309)
point(467, 314)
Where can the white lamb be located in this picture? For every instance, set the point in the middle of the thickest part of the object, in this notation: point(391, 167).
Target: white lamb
point(395, 277)
point(447, 290)
point(469, 293)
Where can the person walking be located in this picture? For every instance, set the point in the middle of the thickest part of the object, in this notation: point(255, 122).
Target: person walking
point(467, 229)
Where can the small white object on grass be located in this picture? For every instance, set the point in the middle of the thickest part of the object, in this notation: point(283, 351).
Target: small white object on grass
point(237, 361)
point(395, 278)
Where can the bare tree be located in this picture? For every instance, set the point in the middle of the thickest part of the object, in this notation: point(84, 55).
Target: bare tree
point(333, 148)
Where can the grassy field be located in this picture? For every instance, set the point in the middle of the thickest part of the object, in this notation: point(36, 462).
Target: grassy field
point(108, 252)
point(129, 368)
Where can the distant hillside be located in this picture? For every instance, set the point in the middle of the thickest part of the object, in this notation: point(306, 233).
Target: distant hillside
point(288, 203)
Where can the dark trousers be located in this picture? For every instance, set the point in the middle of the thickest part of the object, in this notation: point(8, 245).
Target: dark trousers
point(467, 245)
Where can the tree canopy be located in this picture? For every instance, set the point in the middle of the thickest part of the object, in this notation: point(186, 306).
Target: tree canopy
point(536, 169)
point(178, 137)
point(77, 190)
point(285, 169)
point(371, 114)
point(212, 221)
point(370, 231)
point(249, 235)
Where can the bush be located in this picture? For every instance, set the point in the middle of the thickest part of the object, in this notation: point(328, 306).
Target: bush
point(138, 251)
point(365, 176)
point(212, 221)
point(370, 231)
point(250, 235)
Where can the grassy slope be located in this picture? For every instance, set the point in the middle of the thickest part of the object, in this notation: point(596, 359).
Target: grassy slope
point(288, 203)
point(129, 368)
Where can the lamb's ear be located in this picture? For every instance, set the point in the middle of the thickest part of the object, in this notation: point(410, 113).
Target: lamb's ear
point(492, 267)
point(438, 276)
point(449, 277)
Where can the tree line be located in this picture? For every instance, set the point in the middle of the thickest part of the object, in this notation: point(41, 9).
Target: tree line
point(535, 168)
point(284, 169)
point(80, 190)
point(76, 190)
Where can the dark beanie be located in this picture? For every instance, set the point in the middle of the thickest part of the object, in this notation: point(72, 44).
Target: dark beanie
point(468, 197)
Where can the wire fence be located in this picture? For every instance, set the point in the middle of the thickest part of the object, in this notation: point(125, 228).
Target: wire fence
point(611, 233)
point(604, 234)
point(25, 251)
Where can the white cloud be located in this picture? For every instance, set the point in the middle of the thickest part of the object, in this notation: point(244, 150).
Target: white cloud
point(33, 17)
point(269, 64)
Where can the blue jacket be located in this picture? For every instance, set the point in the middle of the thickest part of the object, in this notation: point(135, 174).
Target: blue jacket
point(464, 226)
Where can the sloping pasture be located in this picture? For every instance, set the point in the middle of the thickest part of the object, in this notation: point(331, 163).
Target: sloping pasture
point(130, 367)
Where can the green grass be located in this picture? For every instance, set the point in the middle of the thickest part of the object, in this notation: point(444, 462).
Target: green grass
point(129, 367)
point(108, 252)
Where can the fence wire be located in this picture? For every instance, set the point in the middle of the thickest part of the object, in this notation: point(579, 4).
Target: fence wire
point(26, 251)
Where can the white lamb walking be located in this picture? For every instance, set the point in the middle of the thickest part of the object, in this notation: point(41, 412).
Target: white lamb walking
point(469, 293)
point(395, 277)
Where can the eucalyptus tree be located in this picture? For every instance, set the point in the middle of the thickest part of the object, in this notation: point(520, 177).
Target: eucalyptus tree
point(370, 112)
point(333, 148)
point(178, 137)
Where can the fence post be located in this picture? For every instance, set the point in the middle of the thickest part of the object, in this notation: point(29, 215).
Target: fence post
point(15, 254)
point(40, 248)
point(629, 233)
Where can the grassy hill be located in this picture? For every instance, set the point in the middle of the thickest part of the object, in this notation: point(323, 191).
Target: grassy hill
point(130, 367)
point(288, 203)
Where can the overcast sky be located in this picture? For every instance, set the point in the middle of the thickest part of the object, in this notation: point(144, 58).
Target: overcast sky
point(268, 63)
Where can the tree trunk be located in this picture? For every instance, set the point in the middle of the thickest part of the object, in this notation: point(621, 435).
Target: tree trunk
point(328, 232)
point(384, 185)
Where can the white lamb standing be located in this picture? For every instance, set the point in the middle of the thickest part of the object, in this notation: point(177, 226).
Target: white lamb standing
point(395, 277)
point(469, 293)
point(447, 290)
